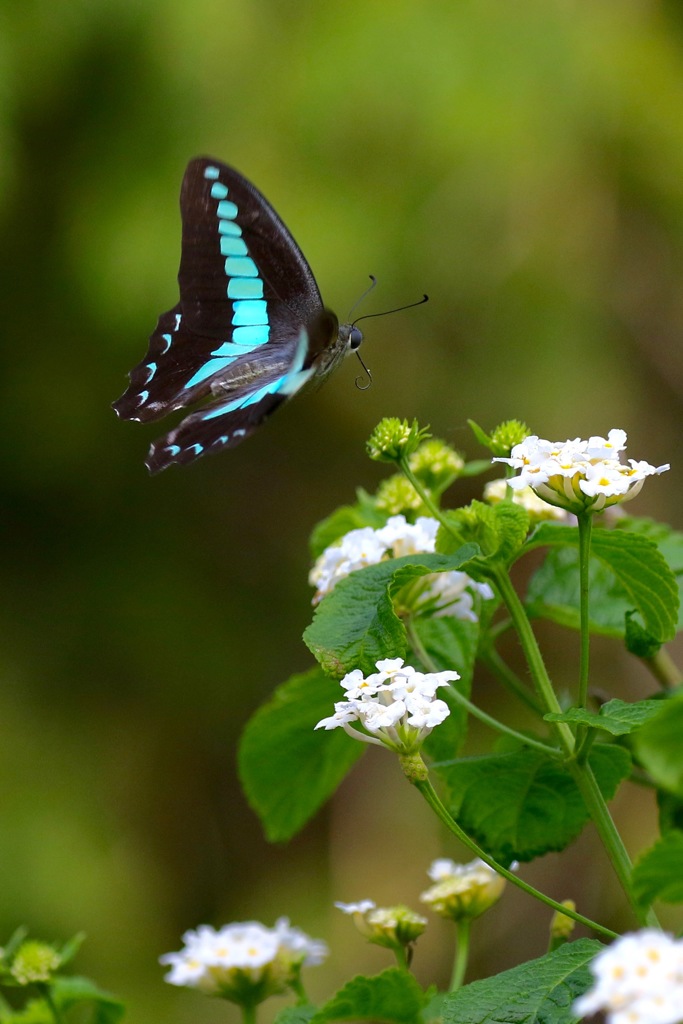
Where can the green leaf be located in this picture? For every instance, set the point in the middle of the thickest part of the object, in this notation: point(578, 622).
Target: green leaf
point(645, 577)
point(36, 1011)
point(522, 804)
point(13, 943)
point(288, 769)
point(617, 717)
point(553, 593)
point(69, 993)
point(356, 625)
point(392, 996)
point(512, 524)
point(658, 745)
point(632, 574)
point(638, 640)
point(70, 948)
point(295, 1015)
point(499, 531)
point(670, 809)
point(538, 992)
point(451, 644)
point(481, 436)
point(658, 873)
point(670, 544)
point(475, 468)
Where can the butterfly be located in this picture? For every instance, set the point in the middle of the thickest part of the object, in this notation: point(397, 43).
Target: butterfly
point(249, 331)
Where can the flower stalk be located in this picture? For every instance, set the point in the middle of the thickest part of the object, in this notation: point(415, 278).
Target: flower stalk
point(463, 929)
point(581, 772)
point(46, 993)
point(585, 520)
point(430, 795)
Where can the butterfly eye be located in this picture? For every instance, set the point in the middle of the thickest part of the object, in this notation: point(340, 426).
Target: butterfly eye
point(355, 338)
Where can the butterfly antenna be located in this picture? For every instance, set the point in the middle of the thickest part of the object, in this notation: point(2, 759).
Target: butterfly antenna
point(359, 378)
point(366, 316)
point(363, 296)
point(398, 309)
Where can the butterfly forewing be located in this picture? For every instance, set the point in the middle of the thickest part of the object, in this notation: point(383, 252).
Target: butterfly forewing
point(226, 223)
point(248, 329)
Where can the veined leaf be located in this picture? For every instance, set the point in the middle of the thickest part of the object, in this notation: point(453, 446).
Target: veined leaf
point(627, 572)
point(393, 997)
point(356, 625)
point(288, 769)
point(538, 992)
point(658, 745)
point(523, 804)
point(658, 873)
point(617, 717)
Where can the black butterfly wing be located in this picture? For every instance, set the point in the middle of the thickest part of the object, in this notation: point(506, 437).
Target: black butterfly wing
point(239, 406)
point(249, 322)
point(226, 223)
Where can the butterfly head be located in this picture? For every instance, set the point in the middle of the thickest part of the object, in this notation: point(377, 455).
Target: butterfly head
point(350, 336)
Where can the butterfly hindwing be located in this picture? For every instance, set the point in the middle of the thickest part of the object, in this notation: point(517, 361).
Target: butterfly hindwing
point(250, 328)
point(226, 422)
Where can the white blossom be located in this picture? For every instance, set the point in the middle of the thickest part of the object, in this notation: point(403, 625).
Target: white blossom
point(313, 951)
point(452, 593)
point(357, 549)
point(396, 706)
point(578, 475)
point(495, 491)
point(243, 961)
point(462, 890)
point(391, 927)
point(409, 539)
point(638, 980)
point(447, 593)
point(360, 907)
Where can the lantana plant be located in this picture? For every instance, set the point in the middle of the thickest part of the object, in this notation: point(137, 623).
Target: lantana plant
point(411, 594)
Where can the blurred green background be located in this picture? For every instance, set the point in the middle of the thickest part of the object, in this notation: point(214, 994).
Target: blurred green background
point(522, 162)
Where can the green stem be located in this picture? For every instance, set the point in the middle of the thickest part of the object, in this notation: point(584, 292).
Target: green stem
point(664, 669)
point(584, 744)
point(595, 802)
point(462, 951)
point(299, 991)
point(249, 1013)
point(534, 658)
point(46, 992)
point(581, 773)
point(585, 524)
point(401, 957)
point(425, 497)
point(473, 710)
point(429, 793)
point(507, 730)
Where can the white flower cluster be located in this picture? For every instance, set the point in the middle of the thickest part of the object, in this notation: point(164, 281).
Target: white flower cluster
point(243, 960)
point(445, 593)
point(395, 706)
point(385, 926)
point(578, 474)
point(495, 491)
point(462, 890)
point(639, 980)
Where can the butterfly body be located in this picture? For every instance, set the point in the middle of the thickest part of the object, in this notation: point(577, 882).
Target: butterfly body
point(250, 329)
